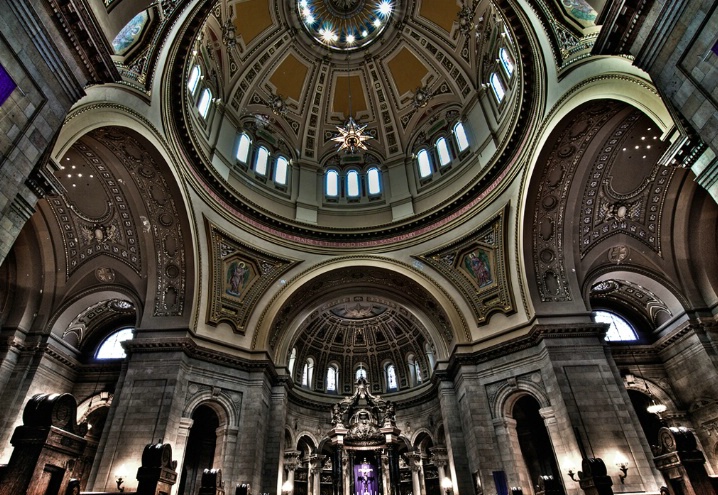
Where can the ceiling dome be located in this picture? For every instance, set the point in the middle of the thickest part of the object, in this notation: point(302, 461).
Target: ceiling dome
point(435, 93)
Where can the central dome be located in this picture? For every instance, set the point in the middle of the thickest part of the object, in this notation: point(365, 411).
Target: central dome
point(345, 24)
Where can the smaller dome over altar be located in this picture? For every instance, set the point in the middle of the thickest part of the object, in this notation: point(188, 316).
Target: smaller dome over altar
point(345, 24)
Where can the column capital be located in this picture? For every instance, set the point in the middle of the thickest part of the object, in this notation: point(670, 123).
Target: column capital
point(439, 455)
point(414, 461)
point(291, 459)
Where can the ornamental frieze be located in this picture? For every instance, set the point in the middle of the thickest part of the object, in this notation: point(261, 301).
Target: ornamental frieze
point(239, 276)
point(476, 265)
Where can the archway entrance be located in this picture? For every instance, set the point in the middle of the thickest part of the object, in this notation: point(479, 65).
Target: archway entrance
point(200, 451)
point(535, 445)
point(650, 423)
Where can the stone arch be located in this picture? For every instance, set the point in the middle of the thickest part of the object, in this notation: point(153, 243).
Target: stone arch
point(546, 275)
point(219, 402)
point(281, 320)
point(313, 443)
point(505, 398)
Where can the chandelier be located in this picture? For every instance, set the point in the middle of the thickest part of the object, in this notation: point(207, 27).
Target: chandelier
point(351, 136)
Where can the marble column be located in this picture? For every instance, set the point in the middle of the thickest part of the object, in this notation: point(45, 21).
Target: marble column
point(291, 463)
point(314, 478)
point(415, 465)
point(440, 458)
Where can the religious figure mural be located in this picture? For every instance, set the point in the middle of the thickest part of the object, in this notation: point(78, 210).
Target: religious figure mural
point(238, 275)
point(580, 10)
point(478, 264)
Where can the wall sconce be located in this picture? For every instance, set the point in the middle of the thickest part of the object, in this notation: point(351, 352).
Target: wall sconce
point(572, 474)
point(287, 487)
point(622, 465)
point(120, 476)
point(447, 485)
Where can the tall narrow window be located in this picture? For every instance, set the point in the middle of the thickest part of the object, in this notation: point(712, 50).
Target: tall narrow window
point(498, 87)
point(424, 164)
point(372, 177)
point(307, 373)
point(204, 100)
point(292, 360)
point(506, 61)
point(243, 148)
point(461, 140)
point(111, 347)
point(280, 171)
point(391, 383)
point(353, 184)
point(443, 149)
point(361, 373)
point(332, 379)
point(332, 184)
point(260, 162)
point(193, 80)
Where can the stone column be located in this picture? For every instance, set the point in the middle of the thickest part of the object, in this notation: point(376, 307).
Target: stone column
point(415, 465)
point(510, 450)
point(561, 442)
point(314, 478)
point(455, 439)
point(291, 462)
point(185, 426)
point(345, 472)
point(440, 458)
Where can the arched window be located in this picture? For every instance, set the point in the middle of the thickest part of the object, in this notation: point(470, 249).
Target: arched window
point(498, 87)
point(391, 383)
point(292, 361)
point(352, 184)
point(460, 133)
point(414, 370)
point(332, 378)
point(332, 183)
point(111, 347)
point(243, 148)
point(260, 161)
point(307, 373)
point(430, 356)
point(619, 329)
point(373, 183)
point(442, 147)
point(280, 171)
point(204, 100)
point(506, 61)
point(193, 80)
point(424, 163)
point(360, 373)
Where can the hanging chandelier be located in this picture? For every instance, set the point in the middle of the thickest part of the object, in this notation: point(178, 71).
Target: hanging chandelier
point(351, 136)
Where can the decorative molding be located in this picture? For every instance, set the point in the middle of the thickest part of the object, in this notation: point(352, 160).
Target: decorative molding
point(239, 276)
point(477, 265)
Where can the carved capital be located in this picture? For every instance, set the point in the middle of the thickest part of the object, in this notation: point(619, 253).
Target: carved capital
point(291, 459)
point(439, 456)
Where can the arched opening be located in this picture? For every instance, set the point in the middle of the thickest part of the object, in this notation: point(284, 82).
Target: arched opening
point(650, 423)
point(200, 452)
point(535, 444)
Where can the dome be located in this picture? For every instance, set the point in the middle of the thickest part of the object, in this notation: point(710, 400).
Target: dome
point(330, 140)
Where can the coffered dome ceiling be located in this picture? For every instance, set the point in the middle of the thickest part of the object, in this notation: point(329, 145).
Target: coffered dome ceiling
point(408, 71)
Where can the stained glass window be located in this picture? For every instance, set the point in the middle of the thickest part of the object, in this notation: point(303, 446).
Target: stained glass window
point(361, 373)
point(331, 379)
point(111, 347)
point(391, 383)
point(506, 61)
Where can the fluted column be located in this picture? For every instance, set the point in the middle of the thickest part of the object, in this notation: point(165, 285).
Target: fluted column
point(315, 470)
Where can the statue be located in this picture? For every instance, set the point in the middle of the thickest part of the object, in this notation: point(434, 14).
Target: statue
point(389, 414)
point(337, 416)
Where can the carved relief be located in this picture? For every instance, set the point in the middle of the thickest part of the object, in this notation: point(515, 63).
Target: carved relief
point(162, 215)
point(239, 275)
point(476, 264)
point(551, 201)
point(631, 294)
